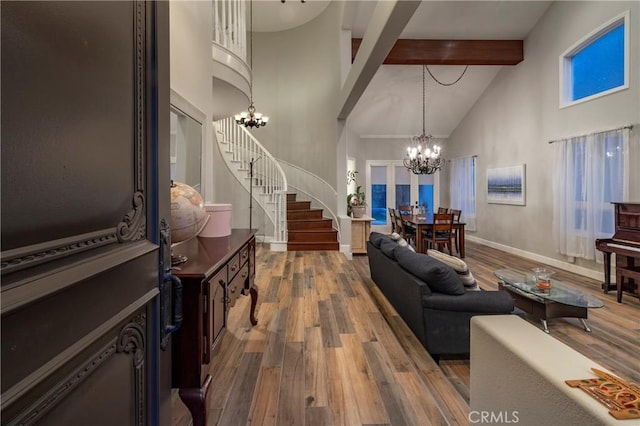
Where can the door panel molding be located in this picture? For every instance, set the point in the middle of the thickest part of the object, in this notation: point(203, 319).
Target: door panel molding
point(21, 388)
point(130, 341)
point(33, 287)
point(132, 225)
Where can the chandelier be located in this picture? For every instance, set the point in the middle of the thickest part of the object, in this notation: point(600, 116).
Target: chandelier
point(251, 118)
point(423, 157)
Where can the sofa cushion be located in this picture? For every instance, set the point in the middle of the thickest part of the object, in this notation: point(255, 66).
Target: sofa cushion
point(376, 238)
point(459, 266)
point(388, 246)
point(438, 276)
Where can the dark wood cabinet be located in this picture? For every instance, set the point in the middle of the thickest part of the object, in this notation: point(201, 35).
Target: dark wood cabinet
point(217, 271)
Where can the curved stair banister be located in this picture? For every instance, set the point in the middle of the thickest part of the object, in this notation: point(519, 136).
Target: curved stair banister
point(238, 148)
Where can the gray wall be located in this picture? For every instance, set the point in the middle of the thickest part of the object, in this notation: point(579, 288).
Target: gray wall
point(296, 83)
point(191, 34)
point(519, 114)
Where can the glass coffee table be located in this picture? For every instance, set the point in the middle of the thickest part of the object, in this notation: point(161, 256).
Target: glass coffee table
point(561, 301)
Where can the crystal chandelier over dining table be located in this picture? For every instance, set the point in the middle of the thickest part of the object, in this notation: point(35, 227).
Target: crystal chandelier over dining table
point(423, 156)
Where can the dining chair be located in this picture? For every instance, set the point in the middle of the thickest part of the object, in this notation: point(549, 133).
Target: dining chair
point(443, 210)
point(404, 209)
point(407, 231)
point(456, 219)
point(392, 217)
point(440, 232)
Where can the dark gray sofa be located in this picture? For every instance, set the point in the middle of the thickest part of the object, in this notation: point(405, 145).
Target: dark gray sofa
point(439, 320)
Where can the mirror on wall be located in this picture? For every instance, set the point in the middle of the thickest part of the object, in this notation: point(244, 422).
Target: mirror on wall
point(186, 148)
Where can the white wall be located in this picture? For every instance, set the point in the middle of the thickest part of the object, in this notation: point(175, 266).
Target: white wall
point(191, 33)
point(519, 114)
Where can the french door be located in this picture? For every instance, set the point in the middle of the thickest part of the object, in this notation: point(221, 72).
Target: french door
point(390, 184)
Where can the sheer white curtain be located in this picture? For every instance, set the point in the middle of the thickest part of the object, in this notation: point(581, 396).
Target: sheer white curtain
point(463, 190)
point(590, 172)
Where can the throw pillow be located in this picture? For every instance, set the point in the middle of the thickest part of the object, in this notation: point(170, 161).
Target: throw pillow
point(438, 276)
point(459, 266)
point(401, 241)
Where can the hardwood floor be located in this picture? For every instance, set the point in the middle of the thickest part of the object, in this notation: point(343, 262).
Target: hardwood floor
point(329, 350)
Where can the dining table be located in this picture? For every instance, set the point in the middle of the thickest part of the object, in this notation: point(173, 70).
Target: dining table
point(425, 222)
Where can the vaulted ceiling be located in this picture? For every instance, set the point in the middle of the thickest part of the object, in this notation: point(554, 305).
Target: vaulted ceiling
point(391, 104)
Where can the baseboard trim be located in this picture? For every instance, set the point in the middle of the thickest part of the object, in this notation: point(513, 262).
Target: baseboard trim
point(278, 245)
point(346, 250)
point(580, 270)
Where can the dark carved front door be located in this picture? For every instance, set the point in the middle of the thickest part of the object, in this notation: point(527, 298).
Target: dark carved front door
point(85, 97)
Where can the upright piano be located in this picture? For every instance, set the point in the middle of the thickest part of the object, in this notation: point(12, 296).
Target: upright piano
point(626, 245)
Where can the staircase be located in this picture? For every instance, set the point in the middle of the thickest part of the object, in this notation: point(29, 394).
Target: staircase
point(307, 229)
point(293, 223)
point(244, 155)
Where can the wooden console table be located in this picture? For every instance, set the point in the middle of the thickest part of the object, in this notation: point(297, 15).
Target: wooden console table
point(218, 270)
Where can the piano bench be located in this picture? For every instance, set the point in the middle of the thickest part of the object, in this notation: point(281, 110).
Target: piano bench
point(632, 277)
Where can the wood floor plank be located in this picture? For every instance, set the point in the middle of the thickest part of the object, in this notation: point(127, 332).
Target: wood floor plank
point(284, 292)
point(315, 364)
point(395, 402)
point(298, 262)
point(287, 270)
point(297, 285)
point(291, 405)
point(311, 311)
point(274, 351)
point(425, 407)
point(264, 407)
point(342, 401)
point(343, 320)
point(362, 326)
point(273, 288)
point(328, 325)
point(318, 416)
point(323, 285)
point(398, 357)
point(454, 408)
point(295, 323)
point(228, 362)
point(309, 279)
point(257, 339)
point(344, 283)
point(236, 411)
point(369, 400)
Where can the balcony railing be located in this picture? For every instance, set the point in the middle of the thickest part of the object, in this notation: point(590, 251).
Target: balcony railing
point(230, 26)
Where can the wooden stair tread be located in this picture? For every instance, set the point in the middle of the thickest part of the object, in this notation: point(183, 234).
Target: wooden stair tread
point(307, 229)
point(323, 245)
point(318, 230)
point(298, 206)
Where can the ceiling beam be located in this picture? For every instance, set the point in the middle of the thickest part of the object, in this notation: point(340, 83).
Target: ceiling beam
point(451, 52)
point(388, 20)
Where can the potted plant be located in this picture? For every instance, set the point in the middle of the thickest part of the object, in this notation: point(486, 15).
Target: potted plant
point(356, 203)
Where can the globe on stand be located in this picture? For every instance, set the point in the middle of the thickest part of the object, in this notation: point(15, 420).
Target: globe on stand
point(188, 216)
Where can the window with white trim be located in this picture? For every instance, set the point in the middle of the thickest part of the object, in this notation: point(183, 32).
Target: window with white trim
point(596, 65)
